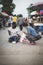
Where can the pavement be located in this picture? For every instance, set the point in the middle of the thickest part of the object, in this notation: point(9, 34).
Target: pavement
point(20, 53)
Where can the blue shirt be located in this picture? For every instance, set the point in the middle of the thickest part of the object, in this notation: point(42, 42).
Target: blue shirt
point(32, 31)
point(19, 21)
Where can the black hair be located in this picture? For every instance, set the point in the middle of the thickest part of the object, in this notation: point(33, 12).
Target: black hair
point(14, 15)
point(14, 25)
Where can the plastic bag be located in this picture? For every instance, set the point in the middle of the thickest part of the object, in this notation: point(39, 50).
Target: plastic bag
point(23, 38)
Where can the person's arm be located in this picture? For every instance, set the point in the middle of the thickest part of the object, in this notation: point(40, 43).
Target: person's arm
point(25, 32)
point(19, 35)
point(9, 32)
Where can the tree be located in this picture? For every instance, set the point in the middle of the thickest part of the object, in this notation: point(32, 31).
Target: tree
point(8, 6)
point(30, 9)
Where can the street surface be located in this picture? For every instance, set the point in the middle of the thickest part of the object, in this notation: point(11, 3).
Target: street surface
point(20, 53)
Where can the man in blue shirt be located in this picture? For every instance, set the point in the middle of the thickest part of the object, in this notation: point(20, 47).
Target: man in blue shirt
point(32, 35)
point(31, 31)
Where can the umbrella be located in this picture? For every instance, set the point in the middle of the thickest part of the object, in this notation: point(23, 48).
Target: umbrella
point(41, 12)
point(38, 6)
point(3, 13)
point(33, 13)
